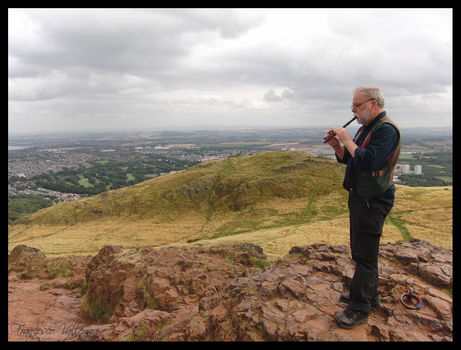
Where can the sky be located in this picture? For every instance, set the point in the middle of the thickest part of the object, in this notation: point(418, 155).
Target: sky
point(146, 69)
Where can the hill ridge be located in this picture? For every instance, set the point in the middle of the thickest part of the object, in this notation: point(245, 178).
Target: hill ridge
point(212, 199)
point(277, 194)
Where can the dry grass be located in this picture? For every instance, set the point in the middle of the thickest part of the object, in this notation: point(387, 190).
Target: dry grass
point(88, 238)
point(277, 242)
point(427, 213)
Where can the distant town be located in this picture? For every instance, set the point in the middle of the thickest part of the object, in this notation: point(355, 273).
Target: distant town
point(70, 167)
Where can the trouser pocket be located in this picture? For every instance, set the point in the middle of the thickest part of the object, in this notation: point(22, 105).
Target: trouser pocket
point(365, 247)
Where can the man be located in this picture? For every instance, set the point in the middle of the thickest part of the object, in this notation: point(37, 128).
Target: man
point(371, 158)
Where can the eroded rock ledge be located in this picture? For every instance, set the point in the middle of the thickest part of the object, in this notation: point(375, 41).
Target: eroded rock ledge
point(232, 293)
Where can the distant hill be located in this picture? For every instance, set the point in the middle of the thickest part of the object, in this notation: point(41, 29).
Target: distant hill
point(274, 199)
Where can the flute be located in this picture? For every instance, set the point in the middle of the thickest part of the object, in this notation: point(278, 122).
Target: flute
point(350, 121)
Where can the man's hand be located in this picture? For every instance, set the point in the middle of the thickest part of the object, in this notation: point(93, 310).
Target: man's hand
point(343, 136)
point(333, 142)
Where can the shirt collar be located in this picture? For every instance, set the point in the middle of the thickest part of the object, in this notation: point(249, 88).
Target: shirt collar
point(362, 131)
point(378, 117)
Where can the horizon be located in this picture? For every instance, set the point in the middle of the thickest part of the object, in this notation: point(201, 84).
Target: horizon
point(197, 128)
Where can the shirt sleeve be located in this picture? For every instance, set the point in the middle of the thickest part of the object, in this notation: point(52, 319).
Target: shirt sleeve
point(383, 144)
point(345, 157)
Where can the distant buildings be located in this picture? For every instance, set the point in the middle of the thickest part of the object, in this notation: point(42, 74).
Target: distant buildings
point(58, 196)
point(405, 169)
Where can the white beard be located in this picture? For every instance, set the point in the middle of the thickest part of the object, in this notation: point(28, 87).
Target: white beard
point(363, 119)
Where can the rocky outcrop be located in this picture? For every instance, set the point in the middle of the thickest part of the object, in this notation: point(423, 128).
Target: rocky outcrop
point(232, 293)
point(22, 257)
point(418, 257)
point(28, 262)
point(44, 295)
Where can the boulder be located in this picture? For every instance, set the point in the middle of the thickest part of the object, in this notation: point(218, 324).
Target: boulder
point(23, 257)
point(30, 262)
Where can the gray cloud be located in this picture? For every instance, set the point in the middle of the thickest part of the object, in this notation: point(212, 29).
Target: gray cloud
point(148, 68)
point(271, 96)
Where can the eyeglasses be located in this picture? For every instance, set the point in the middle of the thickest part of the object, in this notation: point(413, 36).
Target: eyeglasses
point(358, 105)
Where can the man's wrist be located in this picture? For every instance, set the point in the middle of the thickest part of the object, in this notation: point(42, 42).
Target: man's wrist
point(351, 147)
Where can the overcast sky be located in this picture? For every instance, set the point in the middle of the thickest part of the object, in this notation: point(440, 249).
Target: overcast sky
point(74, 69)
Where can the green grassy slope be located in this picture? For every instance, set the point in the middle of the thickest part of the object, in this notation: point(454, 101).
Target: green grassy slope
point(275, 199)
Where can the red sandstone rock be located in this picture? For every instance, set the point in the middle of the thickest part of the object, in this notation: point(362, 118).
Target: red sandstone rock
point(217, 294)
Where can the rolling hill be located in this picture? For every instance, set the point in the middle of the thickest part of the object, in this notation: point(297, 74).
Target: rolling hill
point(275, 199)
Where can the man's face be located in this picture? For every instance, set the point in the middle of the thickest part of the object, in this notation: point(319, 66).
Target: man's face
point(361, 108)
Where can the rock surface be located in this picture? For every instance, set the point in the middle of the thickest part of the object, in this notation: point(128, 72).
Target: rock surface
point(225, 293)
point(44, 295)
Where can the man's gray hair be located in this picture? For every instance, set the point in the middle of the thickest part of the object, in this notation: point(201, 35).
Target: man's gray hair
point(373, 92)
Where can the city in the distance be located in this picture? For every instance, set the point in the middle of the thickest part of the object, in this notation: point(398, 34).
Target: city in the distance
point(46, 169)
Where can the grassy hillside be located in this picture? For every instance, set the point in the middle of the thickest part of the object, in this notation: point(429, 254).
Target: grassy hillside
point(424, 212)
point(274, 199)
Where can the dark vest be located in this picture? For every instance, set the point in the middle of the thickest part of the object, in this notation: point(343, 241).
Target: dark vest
point(373, 183)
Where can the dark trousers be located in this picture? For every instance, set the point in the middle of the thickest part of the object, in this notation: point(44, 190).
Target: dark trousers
point(366, 228)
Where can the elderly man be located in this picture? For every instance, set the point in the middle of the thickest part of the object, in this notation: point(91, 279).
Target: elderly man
point(371, 158)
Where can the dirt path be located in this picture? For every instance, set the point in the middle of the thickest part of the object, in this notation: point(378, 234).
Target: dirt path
point(42, 315)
